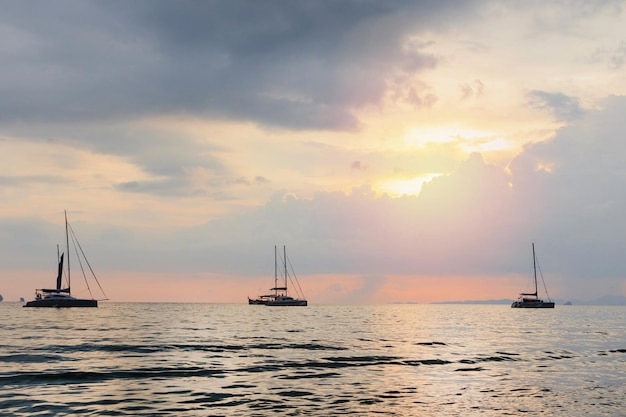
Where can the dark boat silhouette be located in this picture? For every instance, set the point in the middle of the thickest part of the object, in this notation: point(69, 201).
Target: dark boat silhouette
point(280, 297)
point(532, 300)
point(59, 296)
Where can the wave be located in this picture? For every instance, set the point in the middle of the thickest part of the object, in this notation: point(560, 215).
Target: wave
point(74, 376)
point(26, 358)
point(321, 368)
point(216, 348)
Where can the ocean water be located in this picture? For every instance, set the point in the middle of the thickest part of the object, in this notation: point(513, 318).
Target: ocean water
point(321, 360)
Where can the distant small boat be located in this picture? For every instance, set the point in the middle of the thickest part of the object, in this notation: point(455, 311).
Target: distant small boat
point(281, 297)
point(532, 300)
point(59, 296)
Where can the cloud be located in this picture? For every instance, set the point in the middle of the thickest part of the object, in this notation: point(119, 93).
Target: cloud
point(573, 185)
point(370, 286)
point(474, 89)
point(618, 58)
point(563, 107)
point(21, 237)
point(358, 166)
point(23, 181)
point(282, 63)
point(159, 187)
point(565, 194)
point(169, 161)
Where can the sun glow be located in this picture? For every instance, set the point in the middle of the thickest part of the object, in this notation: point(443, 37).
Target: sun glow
point(401, 187)
point(547, 167)
point(420, 137)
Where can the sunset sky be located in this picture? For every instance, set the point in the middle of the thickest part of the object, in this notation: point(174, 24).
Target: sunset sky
point(401, 150)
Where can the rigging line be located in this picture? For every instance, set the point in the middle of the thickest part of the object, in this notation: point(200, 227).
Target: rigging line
point(74, 242)
point(300, 292)
point(284, 273)
point(294, 286)
point(543, 281)
point(89, 265)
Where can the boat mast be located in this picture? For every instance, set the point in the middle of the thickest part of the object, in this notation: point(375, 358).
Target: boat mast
point(285, 260)
point(67, 244)
point(535, 269)
point(275, 273)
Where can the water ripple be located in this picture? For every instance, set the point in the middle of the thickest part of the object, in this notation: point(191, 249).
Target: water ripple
point(233, 360)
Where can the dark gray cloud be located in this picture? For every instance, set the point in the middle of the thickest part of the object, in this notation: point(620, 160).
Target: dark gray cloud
point(294, 64)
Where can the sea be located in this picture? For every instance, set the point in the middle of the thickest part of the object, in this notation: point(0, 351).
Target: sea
point(159, 359)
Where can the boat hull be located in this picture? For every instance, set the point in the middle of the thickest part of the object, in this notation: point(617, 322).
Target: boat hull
point(287, 303)
point(257, 301)
point(62, 303)
point(532, 304)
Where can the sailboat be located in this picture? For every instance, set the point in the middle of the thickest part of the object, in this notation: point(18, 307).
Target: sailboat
point(281, 297)
point(59, 296)
point(532, 300)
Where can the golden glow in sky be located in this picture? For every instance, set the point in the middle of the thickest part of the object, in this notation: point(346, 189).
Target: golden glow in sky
point(401, 187)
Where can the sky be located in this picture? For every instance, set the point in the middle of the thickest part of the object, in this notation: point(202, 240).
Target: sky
point(402, 151)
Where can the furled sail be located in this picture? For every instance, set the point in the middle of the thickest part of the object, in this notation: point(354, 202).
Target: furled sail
point(60, 274)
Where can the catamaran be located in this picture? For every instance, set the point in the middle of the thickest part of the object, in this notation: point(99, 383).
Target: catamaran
point(59, 296)
point(280, 296)
point(532, 300)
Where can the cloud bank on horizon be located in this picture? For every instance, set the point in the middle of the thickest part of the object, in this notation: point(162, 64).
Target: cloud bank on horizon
point(376, 139)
